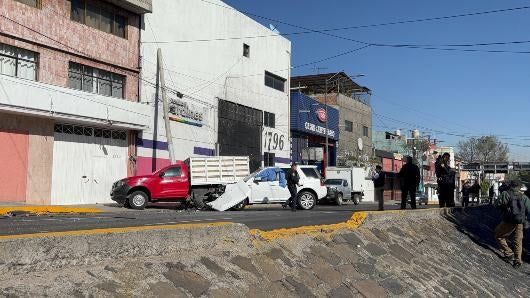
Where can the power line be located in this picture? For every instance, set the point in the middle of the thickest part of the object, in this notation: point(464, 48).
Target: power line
point(325, 31)
point(307, 31)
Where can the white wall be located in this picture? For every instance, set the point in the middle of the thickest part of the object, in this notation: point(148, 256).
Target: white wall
point(206, 71)
point(38, 99)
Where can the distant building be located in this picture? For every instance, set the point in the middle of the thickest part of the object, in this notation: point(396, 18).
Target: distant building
point(355, 111)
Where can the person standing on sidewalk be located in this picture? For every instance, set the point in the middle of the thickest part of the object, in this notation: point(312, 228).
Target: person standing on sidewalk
point(293, 179)
point(465, 194)
point(446, 181)
point(410, 179)
point(379, 178)
point(515, 207)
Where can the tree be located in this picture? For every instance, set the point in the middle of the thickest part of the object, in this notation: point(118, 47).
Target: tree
point(483, 149)
point(417, 147)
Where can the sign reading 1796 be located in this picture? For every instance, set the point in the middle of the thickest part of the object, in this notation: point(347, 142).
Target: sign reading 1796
point(273, 140)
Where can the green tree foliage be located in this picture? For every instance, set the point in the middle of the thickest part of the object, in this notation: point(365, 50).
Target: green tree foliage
point(483, 149)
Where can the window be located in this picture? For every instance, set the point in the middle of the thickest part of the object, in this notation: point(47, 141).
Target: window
point(311, 173)
point(274, 81)
point(18, 62)
point(172, 172)
point(348, 125)
point(268, 159)
point(365, 131)
point(90, 79)
point(90, 131)
point(345, 183)
point(246, 50)
point(99, 17)
point(34, 3)
point(269, 119)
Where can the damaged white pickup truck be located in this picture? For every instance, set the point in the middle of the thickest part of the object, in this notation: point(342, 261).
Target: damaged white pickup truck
point(268, 186)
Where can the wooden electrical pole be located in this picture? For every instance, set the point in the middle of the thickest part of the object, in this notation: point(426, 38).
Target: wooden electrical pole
point(165, 106)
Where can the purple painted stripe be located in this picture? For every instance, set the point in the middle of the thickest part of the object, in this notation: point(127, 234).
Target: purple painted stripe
point(203, 151)
point(150, 144)
point(282, 160)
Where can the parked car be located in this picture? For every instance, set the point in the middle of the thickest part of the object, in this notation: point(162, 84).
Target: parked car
point(339, 191)
point(421, 198)
point(272, 190)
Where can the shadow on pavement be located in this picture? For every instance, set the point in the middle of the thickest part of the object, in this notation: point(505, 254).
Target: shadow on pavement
point(479, 223)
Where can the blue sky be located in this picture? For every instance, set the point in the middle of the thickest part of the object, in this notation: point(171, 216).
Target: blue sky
point(451, 92)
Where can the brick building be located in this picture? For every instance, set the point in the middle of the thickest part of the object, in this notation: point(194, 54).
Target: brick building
point(69, 97)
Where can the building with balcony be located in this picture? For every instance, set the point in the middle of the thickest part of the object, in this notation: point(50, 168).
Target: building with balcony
point(69, 98)
point(228, 92)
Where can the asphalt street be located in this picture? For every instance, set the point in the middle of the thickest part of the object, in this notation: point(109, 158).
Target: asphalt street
point(265, 217)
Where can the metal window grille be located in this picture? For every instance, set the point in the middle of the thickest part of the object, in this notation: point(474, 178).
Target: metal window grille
point(90, 79)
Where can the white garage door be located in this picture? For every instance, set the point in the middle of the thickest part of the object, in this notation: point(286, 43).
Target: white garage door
point(86, 161)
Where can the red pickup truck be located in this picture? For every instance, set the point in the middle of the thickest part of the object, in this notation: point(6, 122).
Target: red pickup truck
point(193, 179)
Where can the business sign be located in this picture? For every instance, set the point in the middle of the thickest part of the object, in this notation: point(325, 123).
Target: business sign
point(319, 129)
point(180, 111)
point(311, 117)
point(321, 115)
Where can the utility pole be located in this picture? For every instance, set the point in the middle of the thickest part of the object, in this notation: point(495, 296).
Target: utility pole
point(155, 121)
point(165, 106)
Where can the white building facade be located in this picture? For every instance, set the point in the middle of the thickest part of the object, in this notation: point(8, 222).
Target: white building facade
point(228, 86)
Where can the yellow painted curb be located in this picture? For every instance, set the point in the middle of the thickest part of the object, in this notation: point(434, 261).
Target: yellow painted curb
point(354, 222)
point(48, 209)
point(116, 230)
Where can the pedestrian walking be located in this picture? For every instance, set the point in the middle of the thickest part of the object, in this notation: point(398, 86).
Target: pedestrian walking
point(379, 178)
point(465, 194)
point(410, 180)
point(475, 192)
point(515, 208)
point(293, 179)
point(491, 194)
point(446, 181)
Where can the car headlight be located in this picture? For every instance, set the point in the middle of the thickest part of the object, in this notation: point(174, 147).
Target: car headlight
point(119, 183)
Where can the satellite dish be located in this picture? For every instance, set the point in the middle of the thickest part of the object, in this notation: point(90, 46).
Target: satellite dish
point(273, 29)
point(360, 144)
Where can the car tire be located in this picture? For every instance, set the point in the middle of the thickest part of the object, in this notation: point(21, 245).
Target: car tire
point(356, 199)
point(339, 200)
point(138, 200)
point(240, 206)
point(306, 200)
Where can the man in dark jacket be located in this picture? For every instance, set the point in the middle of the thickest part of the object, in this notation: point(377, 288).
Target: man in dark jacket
point(466, 189)
point(515, 208)
point(292, 182)
point(379, 186)
point(410, 179)
point(446, 181)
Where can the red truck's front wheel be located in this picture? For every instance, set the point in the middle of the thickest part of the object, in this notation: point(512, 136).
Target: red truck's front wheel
point(138, 200)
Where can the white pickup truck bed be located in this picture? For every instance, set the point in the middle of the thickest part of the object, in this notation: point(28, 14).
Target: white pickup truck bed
point(217, 170)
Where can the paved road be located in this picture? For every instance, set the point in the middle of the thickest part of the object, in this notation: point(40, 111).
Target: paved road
point(265, 217)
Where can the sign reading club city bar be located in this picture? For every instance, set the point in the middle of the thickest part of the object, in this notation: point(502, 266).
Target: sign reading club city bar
point(311, 117)
point(319, 129)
